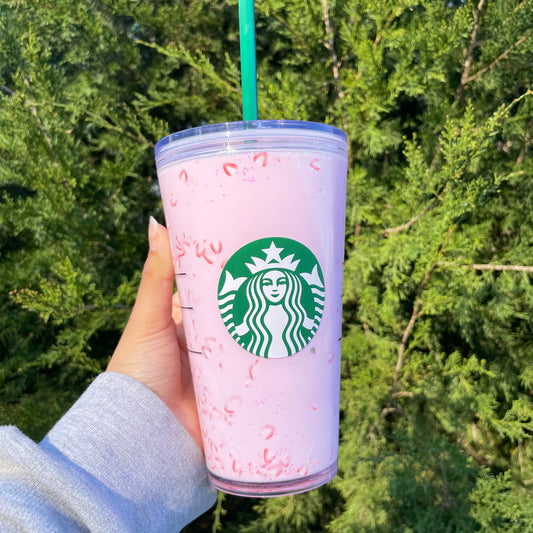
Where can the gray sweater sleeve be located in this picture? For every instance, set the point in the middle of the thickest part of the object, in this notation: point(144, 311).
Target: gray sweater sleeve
point(117, 461)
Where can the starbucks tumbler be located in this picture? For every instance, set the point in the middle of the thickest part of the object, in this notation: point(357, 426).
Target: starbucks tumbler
point(255, 212)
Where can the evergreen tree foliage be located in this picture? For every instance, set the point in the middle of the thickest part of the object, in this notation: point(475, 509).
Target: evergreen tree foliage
point(435, 96)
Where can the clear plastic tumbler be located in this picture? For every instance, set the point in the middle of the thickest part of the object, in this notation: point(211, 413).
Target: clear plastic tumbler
point(256, 215)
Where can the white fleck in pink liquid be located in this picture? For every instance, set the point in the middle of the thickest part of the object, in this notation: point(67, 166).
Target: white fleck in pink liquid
point(263, 420)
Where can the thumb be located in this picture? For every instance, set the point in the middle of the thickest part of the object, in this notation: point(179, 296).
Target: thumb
point(153, 306)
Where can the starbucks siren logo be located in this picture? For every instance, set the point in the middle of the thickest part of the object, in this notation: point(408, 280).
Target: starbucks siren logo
point(271, 296)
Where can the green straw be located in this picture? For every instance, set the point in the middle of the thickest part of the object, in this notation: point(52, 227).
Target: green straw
point(248, 66)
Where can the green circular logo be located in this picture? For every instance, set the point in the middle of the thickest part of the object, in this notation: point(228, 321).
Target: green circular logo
point(271, 296)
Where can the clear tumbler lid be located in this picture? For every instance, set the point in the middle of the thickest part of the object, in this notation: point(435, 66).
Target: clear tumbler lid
point(247, 135)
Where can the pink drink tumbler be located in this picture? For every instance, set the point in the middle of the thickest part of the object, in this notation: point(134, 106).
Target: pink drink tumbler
point(256, 214)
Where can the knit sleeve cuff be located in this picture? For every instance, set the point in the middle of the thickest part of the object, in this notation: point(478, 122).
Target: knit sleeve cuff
point(124, 436)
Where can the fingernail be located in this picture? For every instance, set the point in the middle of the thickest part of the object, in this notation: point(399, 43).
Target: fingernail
point(153, 229)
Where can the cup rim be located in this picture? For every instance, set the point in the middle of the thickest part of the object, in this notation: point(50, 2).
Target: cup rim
point(245, 126)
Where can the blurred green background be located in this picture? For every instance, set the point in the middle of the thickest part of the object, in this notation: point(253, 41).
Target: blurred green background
point(434, 95)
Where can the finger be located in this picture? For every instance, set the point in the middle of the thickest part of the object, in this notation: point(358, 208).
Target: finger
point(177, 316)
point(153, 306)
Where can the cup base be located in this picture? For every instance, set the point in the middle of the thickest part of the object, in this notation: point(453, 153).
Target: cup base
point(272, 489)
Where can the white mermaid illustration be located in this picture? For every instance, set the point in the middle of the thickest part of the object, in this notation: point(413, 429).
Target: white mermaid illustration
point(275, 310)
